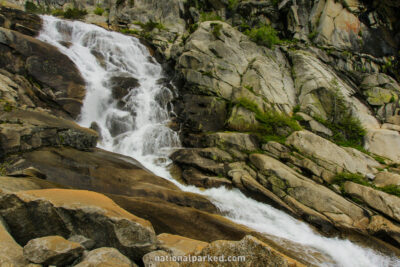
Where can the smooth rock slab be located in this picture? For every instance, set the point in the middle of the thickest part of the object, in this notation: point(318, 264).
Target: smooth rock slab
point(53, 250)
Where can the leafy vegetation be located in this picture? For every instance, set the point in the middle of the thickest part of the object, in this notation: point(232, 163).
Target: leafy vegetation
point(274, 126)
point(233, 4)
point(209, 16)
point(216, 29)
point(264, 35)
point(129, 31)
point(37, 9)
point(150, 25)
point(98, 10)
point(341, 178)
point(347, 130)
point(70, 13)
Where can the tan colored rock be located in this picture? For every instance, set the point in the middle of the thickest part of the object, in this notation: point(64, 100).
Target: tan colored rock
point(308, 198)
point(178, 245)
point(392, 127)
point(109, 173)
point(378, 200)
point(105, 257)
point(386, 178)
point(13, 184)
point(384, 143)
point(52, 250)
point(11, 253)
point(337, 25)
point(63, 212)
point(330, 156)
point(254, 252)
point(381, 226)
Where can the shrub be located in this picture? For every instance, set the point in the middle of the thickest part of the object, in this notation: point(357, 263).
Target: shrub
point(98, 11)
point(347, 129)
point(150, 25)
point(31, 7)
point(233, 4)
point(74, 13)
point(271, 122)
point(209, 16)
point(264, 35)
point(216, 29)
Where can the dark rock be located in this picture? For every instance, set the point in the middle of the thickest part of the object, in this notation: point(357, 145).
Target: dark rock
point(24, 55)
point(122, 85)
point(202, 113)
point(20, 21)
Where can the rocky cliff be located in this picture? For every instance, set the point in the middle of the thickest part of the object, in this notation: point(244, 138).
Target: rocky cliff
point(294, 102)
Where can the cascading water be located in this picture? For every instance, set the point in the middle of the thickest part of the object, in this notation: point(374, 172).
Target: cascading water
point(135, 121)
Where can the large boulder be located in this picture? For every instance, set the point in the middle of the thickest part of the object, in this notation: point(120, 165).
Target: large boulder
point(37, 213)
point(105, 172)
point(170, 218)
point(378, 200)
point(385, 143)
point(178, 245)
point(331, 156)
point(52, 250)
point(23, 130)
point(386, 178)
point(249, 252)
point(55, 73)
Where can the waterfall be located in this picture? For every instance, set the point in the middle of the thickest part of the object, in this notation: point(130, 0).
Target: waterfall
point(129, 103)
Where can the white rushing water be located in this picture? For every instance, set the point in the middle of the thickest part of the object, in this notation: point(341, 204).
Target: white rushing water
point(137, 126)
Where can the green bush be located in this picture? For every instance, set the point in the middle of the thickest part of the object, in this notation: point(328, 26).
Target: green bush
point(264, 35)
point(271, 122)
point(98, 11)
point(233, 4)
point(37, 9)
point(216, 29)
point(209, 16)
point(347, 129)
point(150, 25)
point(129, 31)
point(31, 7)
point(74, 13)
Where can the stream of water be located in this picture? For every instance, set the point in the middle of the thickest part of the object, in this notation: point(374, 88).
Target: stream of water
point(135, 124)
